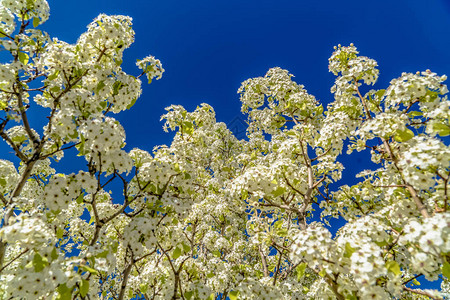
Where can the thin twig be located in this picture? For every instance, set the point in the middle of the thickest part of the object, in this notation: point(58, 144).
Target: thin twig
point(14, 259)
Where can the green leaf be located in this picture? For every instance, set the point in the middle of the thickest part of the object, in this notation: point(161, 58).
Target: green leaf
point(393, 267)
point(59, 233)
point(322, 273)
point(403, 135)
point(55, 89)
point(282, 232)
point(348, 250)
point(103, 254)
point(23, 57)
point(78, 72)
point(278, 224)
point(53, 76)
point(54, 254)
point(64, 292)
point(446, 270)
point(278, 191)
point(415, 113)
point(131, 103)
point(89, 269)
point(3, 105)
point(233, 295)
point(143, 287)
point(382, 243)
point(188, 127)
point(116, 87)
point(2, 182)
point(84, 287)
point(39, 263)
point(19, 139)
point(380, 93)
point(244, 194)
point(301, 268)
point(319, 109)
point(80, 198)
point(80, 146)
point(441, 129)
point(103, 104)
point(100, 85)
point(188, 295)
point(351, 297)
point(186, 248)
point(176, 253)
point(36, 22)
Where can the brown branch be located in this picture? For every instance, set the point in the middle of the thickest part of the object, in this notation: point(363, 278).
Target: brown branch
point(16, 149)
point(334, 287)
point(321, 155)
point(6, 35)
point(420, 206)
point(60, 149)
point(264, 262)
point(410, 105)
point(291, 186)
point(23, 114)
point(410, 188)
point(423, 210)
point(390, 186)
point(411, 279)
point(277, 270)
point(14, 259)
point(422, 292)
point(445, 189)
point(363, 100)
point(5, 202)
point(126, 274)
point(36, 89)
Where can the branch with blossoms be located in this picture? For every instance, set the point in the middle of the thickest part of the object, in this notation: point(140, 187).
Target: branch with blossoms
point(211, 216)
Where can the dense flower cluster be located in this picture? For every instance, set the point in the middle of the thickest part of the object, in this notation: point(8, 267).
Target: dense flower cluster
point(151, 66)
point(211, 216)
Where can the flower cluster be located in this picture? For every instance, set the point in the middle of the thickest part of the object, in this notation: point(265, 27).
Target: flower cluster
point(428, 242)
point(151, 66)
point(27, 9)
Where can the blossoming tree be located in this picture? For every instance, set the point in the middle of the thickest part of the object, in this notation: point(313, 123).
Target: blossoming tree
point(211, 216)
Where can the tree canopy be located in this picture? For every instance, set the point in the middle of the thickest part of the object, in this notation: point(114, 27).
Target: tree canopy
point(211, 216)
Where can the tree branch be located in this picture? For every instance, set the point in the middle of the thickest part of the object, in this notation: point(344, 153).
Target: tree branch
point(422, 292)
point(264, 262)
